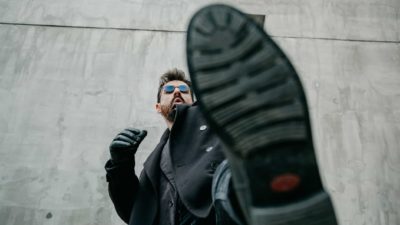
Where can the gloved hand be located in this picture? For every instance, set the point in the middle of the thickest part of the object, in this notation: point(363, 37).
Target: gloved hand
point(125, 144)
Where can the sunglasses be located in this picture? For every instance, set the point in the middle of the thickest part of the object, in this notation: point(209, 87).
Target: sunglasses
point(171, 88)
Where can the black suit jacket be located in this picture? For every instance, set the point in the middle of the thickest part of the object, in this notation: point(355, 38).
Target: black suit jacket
point(195, 152)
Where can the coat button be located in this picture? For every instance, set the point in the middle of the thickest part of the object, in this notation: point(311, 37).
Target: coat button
point(214, 165)
point(203, 127)
point(209, 149)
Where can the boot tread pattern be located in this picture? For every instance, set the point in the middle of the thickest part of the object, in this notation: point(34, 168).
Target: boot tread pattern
point(240, 76)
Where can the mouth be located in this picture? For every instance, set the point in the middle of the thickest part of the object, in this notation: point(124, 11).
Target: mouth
point(177, 101)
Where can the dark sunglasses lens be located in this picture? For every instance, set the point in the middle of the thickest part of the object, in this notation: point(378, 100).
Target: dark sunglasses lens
point(183, 88)
point(169, 88)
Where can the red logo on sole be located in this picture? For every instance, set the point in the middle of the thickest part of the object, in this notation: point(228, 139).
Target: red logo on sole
point(285, 182)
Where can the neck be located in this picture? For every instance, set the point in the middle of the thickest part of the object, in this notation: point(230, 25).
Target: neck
point(169, 124)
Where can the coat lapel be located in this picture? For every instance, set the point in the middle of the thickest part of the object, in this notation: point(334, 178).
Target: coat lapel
point(151, 165)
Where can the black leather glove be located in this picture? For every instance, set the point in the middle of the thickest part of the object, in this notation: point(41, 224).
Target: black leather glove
point(125, 144)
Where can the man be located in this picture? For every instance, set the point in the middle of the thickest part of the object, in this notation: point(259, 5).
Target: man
point(251, 110)
point(180, 168)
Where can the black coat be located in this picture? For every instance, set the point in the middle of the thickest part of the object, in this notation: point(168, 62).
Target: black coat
point(195, 154)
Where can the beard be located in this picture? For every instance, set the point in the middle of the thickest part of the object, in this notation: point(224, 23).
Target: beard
point(169, 111)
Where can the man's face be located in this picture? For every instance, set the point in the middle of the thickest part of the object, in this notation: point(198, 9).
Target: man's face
point(168, 101)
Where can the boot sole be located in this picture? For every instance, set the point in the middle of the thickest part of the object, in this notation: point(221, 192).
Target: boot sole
point(253, 99)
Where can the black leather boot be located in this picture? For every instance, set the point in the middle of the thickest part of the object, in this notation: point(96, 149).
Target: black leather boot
point(252, 97)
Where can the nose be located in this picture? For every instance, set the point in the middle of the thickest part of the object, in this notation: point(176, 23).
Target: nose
point(176, 91)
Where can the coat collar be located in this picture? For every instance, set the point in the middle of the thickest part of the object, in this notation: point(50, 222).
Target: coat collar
point(150, 166)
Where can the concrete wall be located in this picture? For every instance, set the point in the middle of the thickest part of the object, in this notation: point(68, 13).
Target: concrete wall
point(74, 73)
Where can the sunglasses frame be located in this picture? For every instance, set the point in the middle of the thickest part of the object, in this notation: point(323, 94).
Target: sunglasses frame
point(182, 88)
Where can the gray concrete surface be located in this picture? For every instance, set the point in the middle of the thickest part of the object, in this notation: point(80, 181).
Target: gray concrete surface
point(339, 19)
point(67, 89)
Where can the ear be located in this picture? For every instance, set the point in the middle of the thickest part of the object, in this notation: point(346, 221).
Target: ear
point(158, 107)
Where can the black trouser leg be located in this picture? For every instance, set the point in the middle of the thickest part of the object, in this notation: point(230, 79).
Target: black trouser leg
point(227, 209)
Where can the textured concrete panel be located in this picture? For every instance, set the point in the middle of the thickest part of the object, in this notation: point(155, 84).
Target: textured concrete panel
point(343, 19)
point(66, 92)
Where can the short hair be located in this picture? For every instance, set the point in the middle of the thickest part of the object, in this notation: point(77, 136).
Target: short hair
point(171, 75)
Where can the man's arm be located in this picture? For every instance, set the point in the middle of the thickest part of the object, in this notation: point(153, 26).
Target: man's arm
point(122, 187)
point(123, 184)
